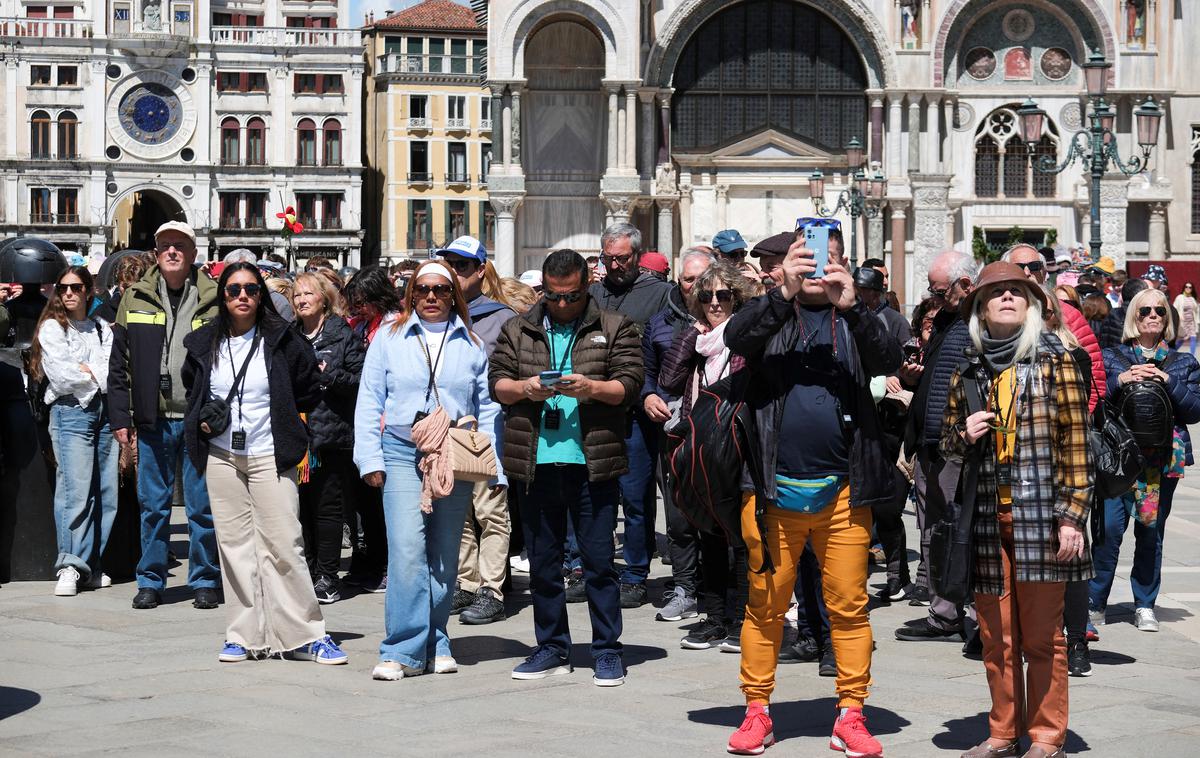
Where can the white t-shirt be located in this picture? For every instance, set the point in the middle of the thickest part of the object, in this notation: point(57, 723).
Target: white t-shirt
point(434, 336)
point(250, 409)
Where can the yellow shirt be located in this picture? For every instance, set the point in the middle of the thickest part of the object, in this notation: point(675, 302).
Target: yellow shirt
point(1004, 407)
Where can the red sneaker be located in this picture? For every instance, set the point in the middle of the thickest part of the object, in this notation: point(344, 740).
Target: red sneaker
point(850, 735)
point(755, 734)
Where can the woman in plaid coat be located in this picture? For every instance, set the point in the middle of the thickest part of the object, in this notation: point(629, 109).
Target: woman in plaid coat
point(1031, 507)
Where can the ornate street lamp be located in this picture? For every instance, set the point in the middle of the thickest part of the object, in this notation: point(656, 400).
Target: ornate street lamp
point(861, 198)
point(1095, 146)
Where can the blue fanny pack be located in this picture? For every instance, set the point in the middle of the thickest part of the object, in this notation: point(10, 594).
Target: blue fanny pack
point(806, 495)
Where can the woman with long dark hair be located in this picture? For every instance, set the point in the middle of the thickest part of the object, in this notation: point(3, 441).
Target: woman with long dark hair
point(328, 471)
point(249, 377)
point(427, 363)
point(70, 351)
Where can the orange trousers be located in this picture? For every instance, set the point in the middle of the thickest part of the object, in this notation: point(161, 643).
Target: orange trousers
point(840, 537)
point(1026, 619)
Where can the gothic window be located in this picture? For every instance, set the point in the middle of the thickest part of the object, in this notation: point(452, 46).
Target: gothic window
point(256, 138)
point(1002, 165)
point(332, 129)
point(306, 142)
point(769, 64)
point(230, 141)
point(39, 135)
point(68, 136)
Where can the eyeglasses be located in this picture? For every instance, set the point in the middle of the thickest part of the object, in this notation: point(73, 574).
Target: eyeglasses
point(77, 287)
point(558, 297)
point(1159, 311)
point(722, 296)
point(234, 291)
point(440, 291)
point(1000, 290)
point(621, 260)
point(461, 265)
point(939, 293)
point(828, 223)
point(1033, 267)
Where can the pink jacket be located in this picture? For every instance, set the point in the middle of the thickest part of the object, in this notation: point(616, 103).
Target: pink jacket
point(1078, 325)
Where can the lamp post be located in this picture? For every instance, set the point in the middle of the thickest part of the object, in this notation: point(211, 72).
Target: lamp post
point(853, 199)
point(1096, 146)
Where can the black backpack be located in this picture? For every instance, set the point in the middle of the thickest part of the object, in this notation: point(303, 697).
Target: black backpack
point(1146, 409)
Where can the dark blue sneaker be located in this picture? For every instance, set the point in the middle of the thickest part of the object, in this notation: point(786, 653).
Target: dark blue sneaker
point(545, 661)
point(324, 650)
point(610, 671)
point(232, 653)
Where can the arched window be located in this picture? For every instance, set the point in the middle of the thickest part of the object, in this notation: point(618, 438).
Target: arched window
point(306, 142)
point(230, 141)
point(256, 142)
point(39, 135)
point(1002, 165)
point(333, 142)
point(68, 130)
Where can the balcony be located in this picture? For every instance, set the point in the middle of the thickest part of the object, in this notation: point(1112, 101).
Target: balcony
point(420, 177)
point(458, 180)
point(285, 36)
point(331, 224)
point(54, 219)
point(447, 66)
point(456, 124)
point(419, 122)
point(485, 124)
point(46, 28)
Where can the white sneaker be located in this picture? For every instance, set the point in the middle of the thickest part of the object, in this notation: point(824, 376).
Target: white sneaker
point(519, 563)
point(390, 671)
point(1145, 620)
point(1096, 617)
point(442, 664)
point(68, 582)
point(98, 581)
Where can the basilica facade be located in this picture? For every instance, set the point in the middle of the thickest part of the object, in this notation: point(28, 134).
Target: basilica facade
point(686, 117)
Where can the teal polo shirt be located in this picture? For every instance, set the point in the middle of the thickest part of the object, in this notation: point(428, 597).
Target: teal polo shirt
point(564, 444)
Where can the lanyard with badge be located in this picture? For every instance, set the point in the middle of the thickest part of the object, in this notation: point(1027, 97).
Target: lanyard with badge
point(433, 363)
point(237, 439)
point(552, 416)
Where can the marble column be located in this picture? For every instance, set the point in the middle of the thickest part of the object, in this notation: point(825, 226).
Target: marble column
point(932, 107)
point(622, 135)
point(11, 69)
point(514, 136)
point(646, 153)
point(630, 129)
point(895, 113)
point(1158, 231)
point(950, 224)
point(876, 127)
point(506, 129)
point(914, 133)
point(506, 237)
point(874, 236)
point(722, 194)
point(664, 127)
point(611, 157)
point(931, 203)
point(498, 141)
point(899, 239)
point(685, 216)
point(620, 207)
point(666, 230)
point(948, 107)
point(1114, 208)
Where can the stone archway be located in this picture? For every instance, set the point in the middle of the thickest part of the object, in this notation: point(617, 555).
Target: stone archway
point(137, 215)
point(606, 20)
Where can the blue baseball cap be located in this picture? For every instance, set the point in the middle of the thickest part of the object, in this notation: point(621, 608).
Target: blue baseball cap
point(728, 241)
point(467, 247)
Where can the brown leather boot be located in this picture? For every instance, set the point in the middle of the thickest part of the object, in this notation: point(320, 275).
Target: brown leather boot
point(985, 750)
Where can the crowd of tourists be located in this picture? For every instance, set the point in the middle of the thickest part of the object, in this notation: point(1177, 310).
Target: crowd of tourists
point(450, 427)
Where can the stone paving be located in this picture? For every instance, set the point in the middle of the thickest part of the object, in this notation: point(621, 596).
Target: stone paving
point(87, 675)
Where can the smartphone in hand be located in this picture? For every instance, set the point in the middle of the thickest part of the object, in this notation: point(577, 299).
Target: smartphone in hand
point(816, 239)
point(549, 378)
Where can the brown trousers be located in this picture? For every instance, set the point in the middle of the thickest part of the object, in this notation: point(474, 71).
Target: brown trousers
point(1027, 619)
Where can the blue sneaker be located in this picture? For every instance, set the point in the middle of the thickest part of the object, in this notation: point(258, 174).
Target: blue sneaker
point(232, 653)
point(610, 671)
point(324, 650)
point(545, 661)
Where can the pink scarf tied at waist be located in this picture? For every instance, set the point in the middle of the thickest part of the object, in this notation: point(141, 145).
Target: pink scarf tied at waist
point(431, 435)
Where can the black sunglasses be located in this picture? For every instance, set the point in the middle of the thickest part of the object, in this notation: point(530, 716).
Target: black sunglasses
point(1159, 311)
point(440, 291)
point(723, 296)
point(77, 287)
point(558, 297)
point(1033, 266)
point(461, 265)
point(234, 291)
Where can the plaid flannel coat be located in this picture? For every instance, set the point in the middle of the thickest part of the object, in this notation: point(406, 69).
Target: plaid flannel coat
point(1052, 470)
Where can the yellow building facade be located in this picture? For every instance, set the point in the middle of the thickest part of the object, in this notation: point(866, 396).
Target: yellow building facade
point(428, 132)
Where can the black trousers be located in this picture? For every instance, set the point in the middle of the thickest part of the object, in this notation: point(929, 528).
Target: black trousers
point(366, 502)
point(725, 583)
point(889, 527)
point(683, 544)
point(322, 510)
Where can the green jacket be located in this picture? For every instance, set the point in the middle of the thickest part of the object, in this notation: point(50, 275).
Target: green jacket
point(139, 336)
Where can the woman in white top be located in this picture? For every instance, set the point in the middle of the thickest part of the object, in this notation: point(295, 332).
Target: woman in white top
point(1186, 305)
point(249, 377)
point(70, 352)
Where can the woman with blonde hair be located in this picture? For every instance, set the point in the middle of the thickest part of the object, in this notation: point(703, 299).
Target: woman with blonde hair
point(424, 364)
point(519, 296)
point(1031, 508)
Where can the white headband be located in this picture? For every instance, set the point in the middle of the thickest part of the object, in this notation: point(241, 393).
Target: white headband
point(435, 268)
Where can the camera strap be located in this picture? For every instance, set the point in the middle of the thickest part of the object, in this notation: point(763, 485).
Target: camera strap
point(238, 388)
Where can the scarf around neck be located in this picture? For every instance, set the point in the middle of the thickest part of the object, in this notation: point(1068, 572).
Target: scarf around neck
point(999, 353)
point(711, 345)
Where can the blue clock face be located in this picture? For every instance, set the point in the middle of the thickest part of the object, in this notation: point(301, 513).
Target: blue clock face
point(150, 113)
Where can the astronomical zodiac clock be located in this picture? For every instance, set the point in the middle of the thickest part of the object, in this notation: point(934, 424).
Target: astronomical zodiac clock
point(151, 115)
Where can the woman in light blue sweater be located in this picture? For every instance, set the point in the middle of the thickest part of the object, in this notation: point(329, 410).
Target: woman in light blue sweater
point(413, 366)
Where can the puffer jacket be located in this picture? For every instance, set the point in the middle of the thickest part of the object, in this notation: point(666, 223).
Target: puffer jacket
point(1113, 328)
point(331, 423)
point(607, 347)
point(1183, 385)
point(680, 365)
point(660, 335)
point(1078, 325)
point(944, 353)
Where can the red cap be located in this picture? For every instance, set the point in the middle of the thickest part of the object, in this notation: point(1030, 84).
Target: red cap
point(654, 262)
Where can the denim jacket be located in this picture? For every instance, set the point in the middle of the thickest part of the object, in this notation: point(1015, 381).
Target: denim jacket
point(393, 387)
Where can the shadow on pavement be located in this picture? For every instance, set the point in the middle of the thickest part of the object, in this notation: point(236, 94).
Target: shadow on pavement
point(801, 718)
point(14, 700)
point(966, 733)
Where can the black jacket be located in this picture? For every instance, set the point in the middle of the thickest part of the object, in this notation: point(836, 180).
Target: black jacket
point(331, 423)
point(660, 334)
point(942, 356)
point(292, 378)
point(765, 331)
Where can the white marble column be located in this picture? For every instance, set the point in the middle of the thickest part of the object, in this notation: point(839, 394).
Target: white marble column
point(506, 236)
point(506, 155)
point(613, 131)
point(948, 106)
point(1158, 231)
point(630, 129)
point(666, 230)
point(895, 112)
point(722, 193)
point(646, 151)
point(514, 136)
point(930, 163)
point(685, 216)
point(914, 133)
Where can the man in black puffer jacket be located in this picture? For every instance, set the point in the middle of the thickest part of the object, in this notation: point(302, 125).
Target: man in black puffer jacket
point(951, 278)
point(1113, 329)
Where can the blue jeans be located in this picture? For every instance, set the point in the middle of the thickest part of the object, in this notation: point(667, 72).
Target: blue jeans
point(639, 502)
point(1146, 575)
point(159, 450)
point(422, 559)
point(85, 487)
point(555, 492)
